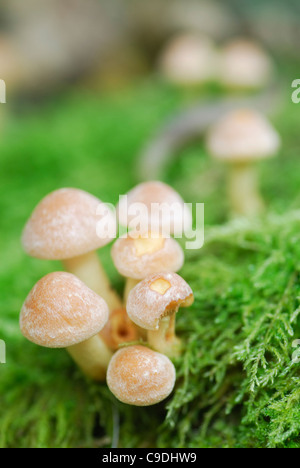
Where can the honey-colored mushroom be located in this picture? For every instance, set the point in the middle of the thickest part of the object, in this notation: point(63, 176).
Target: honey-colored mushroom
point(139, 376)
point(119, 330)
point(153, 305)
point(62, 312)
point(138, 256)
point(65, 226)
point(158, 207)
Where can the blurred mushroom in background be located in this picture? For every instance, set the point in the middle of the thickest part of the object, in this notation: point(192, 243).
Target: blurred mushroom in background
point(241, 139)
point(189, 60)
point(244, 65)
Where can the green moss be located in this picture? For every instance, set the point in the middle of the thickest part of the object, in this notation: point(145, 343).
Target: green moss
point(237, 385)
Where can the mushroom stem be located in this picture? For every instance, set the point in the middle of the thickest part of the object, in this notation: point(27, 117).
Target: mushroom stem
point(243, 190)
point(130, 284)
point(92, 356)
point(164, 339)
point(88, 269)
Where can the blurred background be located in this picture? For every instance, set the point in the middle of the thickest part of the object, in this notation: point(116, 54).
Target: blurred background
point(109, 43)
point(99, 91)
point(94, 93)
point(89, 85)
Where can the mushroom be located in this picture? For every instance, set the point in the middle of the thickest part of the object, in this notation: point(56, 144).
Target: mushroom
point(188, 60)
point(138, 256)
point(138, 376)
point(242, 138)
point(245, 64)
point(62, 312)
point(159, 208)
point(153, 305)
point(64, 226)
point(119, 330)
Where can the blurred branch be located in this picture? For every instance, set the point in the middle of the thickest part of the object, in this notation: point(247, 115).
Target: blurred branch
point(191, 125)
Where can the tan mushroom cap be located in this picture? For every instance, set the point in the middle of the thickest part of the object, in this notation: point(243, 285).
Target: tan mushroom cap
point(153, 195)
point(64, 225)
point(139, 376)
point(244, 63)
point(137, 257)
point(157, 297)
point(243, 136)
point(188, 59)
point(61, 311)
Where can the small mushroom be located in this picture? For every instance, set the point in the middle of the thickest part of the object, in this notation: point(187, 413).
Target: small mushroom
point(136, 257)
point(164, 210)
point(64, 227)
point(14, 68)
point(244, 64)
point(119, 330)
point(62, 312)
point(188, 60)
point(240, 139)
point(138, 376)
point(153, 305)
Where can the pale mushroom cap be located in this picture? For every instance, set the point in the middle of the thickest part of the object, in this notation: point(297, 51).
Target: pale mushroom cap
point(243, 136)
point(245, 64)
point(62, 311)
point(189, 59)
point(159, 207)
point(64, 225)
point(137, 257)
point(157, 297)
point(139, 376)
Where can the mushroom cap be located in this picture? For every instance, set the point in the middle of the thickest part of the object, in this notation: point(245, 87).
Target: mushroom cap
point(62, 311)
point(155, 198)
point(243, 136)
point(188, 59)
point(65, 224)
point(245, 64)
point(138, 256)
point(156, 297)
point(139, 376)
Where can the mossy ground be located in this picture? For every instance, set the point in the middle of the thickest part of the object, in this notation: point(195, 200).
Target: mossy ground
point(237, 385)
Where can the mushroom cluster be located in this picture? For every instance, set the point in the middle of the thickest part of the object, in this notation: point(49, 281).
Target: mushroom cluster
point(128, 342)
point(189, 60)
